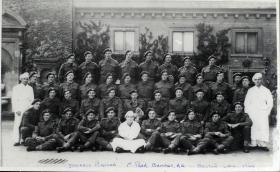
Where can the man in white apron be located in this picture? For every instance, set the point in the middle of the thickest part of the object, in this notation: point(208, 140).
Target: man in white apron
point(258, 104)
point(22, 97)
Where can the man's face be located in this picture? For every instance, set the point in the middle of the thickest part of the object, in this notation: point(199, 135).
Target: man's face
point(164, 76)
point(152, 114)
point(88, 57)
point(70, 77)
point(191, 116)
point(129, 55)
point(144, 77)
point(109, 79)
point(199, 79)
point(88, 78)
point(220, 98)
point(245, 82)
point(68, 114)
point(212, 61)
point(90, 116)
point(199, 95)
point(51, 78)
point(238, 108)
point(149, 57)
point(46, 116)
point(112, 93)
point(111, 114)
point(187, 62)
point(127, 79)
point(182, 80)
point(52, 94)
point(258, 81)
point(71, 59)
point(168, 59)
point(108, 54)
point(33, 79)
point(237, 79)
point(157, 96)
point(220, 77)
point(24, 80)
point(215, 117)
point(171, 116)
point(67, 95)
point(37, 105)
point(134, 95)
point(179, 93)
point(91, 94)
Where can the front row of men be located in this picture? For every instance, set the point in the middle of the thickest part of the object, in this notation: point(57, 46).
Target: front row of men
point(191, 135)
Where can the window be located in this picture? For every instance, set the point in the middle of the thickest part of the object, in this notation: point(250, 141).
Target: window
point(183, 41)
point(124, 40)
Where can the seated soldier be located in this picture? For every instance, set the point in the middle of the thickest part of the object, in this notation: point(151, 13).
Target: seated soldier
point(66, 131)
point(192, 132)
point(109, 129)
point(92, 102)
point(145, 87)
point(169, 133)
point(125, 87)
point(71, 85)
point(159, 105)
point(200, 106)
point(149, 129)
point(240, 127)
point(104, 87)
point(42, 138)
point(165, 86)
point(67, 101)
point(88, 84)
point(217, 136)
point(186, 87)
point(30, 119)
point(219, 105)
point(88, 130)
point(52, 103)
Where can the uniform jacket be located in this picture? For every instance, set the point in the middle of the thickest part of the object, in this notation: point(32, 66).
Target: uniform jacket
point(30, 118)
point(64, 68)
point(111, 102)
point(166, 88)
point(209, 72)
point(90, 104)
point(189, 72)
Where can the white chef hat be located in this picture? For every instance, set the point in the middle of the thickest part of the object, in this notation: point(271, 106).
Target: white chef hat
point(24, 75)
point(129, 113)
point(257, 76)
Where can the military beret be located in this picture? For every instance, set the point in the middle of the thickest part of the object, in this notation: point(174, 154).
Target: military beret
point(87, 52)
point(133, 91)
point(236, 74)
point(110, 109)
point(212, 57)
point(66, 90)
point(90, 111)
point(35, 101)
point(157, 91)
point(167, 54)
point(238, 103)
point(187, 57)
point(164, 71)
point(219, 93)
point(85, 76)
point(107, 49)
point(171, 110)
point(144, 72)
point(51, 89)
point(127, 51)
point(178, 88)
point(32, 73)
point(110, 89)
point(70, 55)
point(46, 111)
point(67, 109)
point(215, 112)
point(245, 77)
point(190, 110)
point(68, 72)
point(219, 72)
point(199, 90)
point(91, 89)
point(182, 75)
point(50, 73)
point(125, 75)
point(147, 52)
point(199, 74)
point(150, 109)
point(108, 74)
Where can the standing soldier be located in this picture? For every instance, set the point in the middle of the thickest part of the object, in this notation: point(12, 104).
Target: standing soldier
point(22, 97)
point(125, 87)
point(108, 65)
point(236, 81)
point(150, 66)
point(172, 70)
point(92, 102)
point(69, 84)
point(69, 102)
point(145, 87)
point(87, 85)
point(210, 71)
point(200, 106)
point(179, 104)
point(37, 88)
point(217, 136)
point(188, 70)
point(240, 94)
point(201, 85)
point(187, 88)
point(67, 66)
point(164, 86)
point(109, 129)
point(129, 66)
point(88, 66)
point(240, 127)
point(221, 86)
point(159, 105)
point(109, 83)
point(52, 103)
point(49, 84)
point(220, 105)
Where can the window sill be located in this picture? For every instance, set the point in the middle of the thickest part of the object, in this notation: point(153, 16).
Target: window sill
point(247, 55)
point(182, 53)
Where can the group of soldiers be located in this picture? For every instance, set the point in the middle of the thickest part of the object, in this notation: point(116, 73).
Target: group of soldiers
point(178, 109)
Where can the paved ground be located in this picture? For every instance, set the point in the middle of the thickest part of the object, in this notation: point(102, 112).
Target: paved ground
point(18, 157)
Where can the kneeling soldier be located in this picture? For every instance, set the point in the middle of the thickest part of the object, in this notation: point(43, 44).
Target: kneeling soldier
point(240, 127)
point(150, 131)
point(42, 136)
point(66, 131)
point(88, 130)
point(217, 136)
point(109, 129)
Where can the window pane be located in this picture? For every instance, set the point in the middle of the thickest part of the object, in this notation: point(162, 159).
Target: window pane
point(119, 44)
point(240, 42)
point(252, 41)
point(129, 41)
point(177, 41)
point(188, 41)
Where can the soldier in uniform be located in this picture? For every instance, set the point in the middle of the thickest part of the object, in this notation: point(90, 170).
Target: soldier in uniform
point(52, 103)
point(66, 131)
point(188, 70)
point(135, 104)
point(88, 130)
point(88, 66)
point(200, 106)
point(201, 85)
point(125, 87)
point(217, 136)
point(67, 66)
point(129, 66)
point(150, 66)
point(108, 65)
point(109, 129)
point(49, 84)
point(164, 86)
point(145, 87)
point(210, 71)
point(111, 101)
point(42, 138)
point(221, 86)
point(69, 84)
point(150, 129)
point(159, 105)
point(87, 85)
point(30, 119)
point(240, 126)
point(69, 102)
point(37, 88)
point(236, 81)
point(109, 83)
point(92, 102)
point(187, 88)
point(179, 104)
point(240, 94)
point(219, 105)
point(172, 70)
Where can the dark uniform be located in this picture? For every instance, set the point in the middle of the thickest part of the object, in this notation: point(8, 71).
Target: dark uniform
point(189, 72)
point(130, 67)
point(108, 131)
point(166, 88)
point(89, 67)
point(53, 105)
point(145, 90)
point(209, 73)
point(205, 88)
point(37, 90)
point(84, 90)
point(160, 107)
point(103, 89)
point(187, 90)
point(30, 119)
point(73, 87)
point(169, 126)
point(170, 68)
point(151, 67)
point(111, 102)
point(109, 66)
point(150, 130)
point(45, 88)
point(221, 87)
point(125, 89)
point(223, 108)
point(133, 104)
point(64, 68)
point(88, 104)
point(180, 106)
point(73, 104)
point(201, 108)
point(240, 94)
